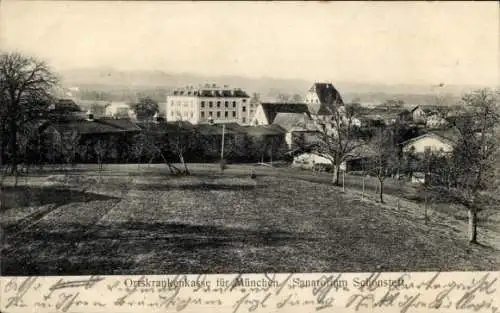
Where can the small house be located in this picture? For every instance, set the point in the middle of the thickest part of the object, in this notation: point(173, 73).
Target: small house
point(428, 142)
point(418, 115)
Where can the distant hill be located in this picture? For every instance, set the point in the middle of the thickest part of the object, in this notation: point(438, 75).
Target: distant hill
point(113, 80)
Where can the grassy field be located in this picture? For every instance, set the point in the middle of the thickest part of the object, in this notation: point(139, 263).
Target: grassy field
point(145, 221)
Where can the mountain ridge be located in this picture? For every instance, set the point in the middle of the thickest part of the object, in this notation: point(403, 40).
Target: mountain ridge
point(108, 78)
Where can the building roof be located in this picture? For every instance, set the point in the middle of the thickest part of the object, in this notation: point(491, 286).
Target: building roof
point(121, 123)
point(264, 130)
point(272, 109)
point(328, 96)
point(66, 105)
point(166, 127)
point(415, 108)
point(290, 121)
point(450, 134)
point(426, 135)
point(210, 91)
point(87, 104)
point(216, 129)
point(85, 127)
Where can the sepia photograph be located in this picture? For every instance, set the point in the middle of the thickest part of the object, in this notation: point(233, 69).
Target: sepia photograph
point(163, 138)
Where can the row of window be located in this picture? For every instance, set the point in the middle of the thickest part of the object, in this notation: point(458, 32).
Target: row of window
point(218, 114)
point(210, 104)
point(178, 113)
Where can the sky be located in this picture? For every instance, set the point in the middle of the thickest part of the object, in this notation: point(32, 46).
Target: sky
point(374, 42)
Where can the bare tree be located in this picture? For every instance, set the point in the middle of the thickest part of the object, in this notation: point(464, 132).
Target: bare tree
point(25, 86)
point(385, 160)
point(70, 141)
point(180, 143)
point(100, 150)
point(150, 143)
point(338, 138)
point(473, 159)
point(283, 97)
point(255, 98)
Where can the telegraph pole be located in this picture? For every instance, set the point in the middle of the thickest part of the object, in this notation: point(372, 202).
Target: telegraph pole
point(222, 144)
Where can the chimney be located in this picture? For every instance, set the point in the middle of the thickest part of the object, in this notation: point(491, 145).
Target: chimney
point(90, 116)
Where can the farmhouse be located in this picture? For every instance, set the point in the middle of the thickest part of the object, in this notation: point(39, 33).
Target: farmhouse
point(428, 142)
point(119, 109)
point(418, 115)
point(300, 129)
point(96, 107)
point(310, 160)
point(266, 112)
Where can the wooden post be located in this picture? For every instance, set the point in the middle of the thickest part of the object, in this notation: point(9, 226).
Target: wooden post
point(425, 209)
point(343, 181)
point(363, 192)
point(222, 144)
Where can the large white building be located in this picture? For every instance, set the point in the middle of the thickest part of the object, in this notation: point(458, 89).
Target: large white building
point(209, 102)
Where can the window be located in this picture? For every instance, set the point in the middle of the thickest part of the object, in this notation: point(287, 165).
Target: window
point(210, 113)
point(191, 114)
point(202, 104)
point(226, 104)
point(210, 104)
point(234, 113)
point(202, 114)
point(244, 109)
point(244, 120)
point(218, 104)
point(226, 114)
point(234, 104)
point(218, 114)
point(244, 100)
point(251, 112)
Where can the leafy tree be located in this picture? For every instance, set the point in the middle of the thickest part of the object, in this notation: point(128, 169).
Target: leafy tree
point(394, 103)
point(146, 108)
point(296, 98)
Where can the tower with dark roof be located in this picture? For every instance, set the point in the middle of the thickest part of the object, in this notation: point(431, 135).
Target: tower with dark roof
point(323, 99)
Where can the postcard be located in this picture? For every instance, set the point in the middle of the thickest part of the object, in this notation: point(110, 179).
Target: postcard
point(249, 156)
